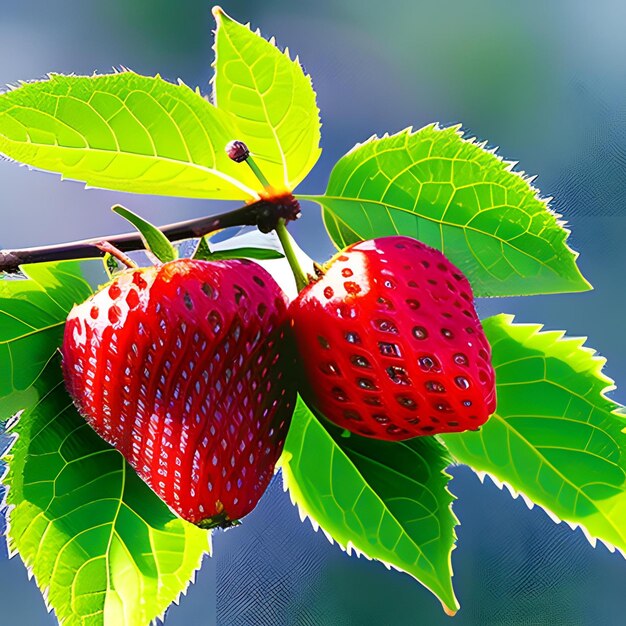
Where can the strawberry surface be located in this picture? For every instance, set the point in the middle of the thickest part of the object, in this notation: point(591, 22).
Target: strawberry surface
point(183, 368)
point(390, 344)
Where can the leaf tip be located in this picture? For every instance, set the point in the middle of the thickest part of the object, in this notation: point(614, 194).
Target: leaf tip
point(450, 612)
point(585, 285)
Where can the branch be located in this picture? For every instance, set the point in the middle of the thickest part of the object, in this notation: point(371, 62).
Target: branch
point(250, 215)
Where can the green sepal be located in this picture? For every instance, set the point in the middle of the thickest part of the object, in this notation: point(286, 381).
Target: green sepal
point(154, 240)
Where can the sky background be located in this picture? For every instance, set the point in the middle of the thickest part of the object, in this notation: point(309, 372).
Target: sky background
point(546, 82)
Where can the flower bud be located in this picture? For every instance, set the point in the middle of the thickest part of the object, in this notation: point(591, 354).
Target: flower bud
point(237, 151)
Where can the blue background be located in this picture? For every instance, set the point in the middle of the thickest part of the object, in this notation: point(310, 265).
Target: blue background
point(546, 82)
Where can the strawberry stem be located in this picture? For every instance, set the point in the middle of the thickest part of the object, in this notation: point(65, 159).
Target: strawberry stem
point(290, 253)
point(274, 219)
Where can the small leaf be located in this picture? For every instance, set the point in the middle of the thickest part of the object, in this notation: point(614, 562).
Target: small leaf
point(154, 240)
point(454, 195)
point(555, 437)
point(102, 547)
point(260, 254)
point(386, 500)
point(205, 253)
point(32, 316)
point(124, 132)
point(271, 99)
point(202, 251)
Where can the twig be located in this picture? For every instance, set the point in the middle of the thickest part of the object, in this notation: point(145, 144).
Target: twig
point(248, 215)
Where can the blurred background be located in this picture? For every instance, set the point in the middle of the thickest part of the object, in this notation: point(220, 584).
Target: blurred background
point(546, 82)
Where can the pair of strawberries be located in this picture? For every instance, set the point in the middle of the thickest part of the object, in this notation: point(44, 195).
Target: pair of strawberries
point(191, 369)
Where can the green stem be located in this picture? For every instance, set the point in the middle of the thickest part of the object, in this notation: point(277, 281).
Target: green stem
point(290, 253)
point(257, 171)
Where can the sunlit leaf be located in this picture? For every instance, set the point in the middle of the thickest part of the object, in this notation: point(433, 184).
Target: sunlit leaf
point(125, 132)
point(386, 500)
point(454, 195)
point(271, 99)
point(555, 437)
point(102, 547)
point(32, 316)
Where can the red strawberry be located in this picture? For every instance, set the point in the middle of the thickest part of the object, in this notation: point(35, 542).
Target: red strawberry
point(391, 345)
point(182, 368)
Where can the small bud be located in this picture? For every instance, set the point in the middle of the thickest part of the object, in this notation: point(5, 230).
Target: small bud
point(237, 151)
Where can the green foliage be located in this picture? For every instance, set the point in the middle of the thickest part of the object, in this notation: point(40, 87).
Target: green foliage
point(125, 132)
point(154, 240)
point(32, 316)
point(99, 542)
point(102, 546)
point(205, 253)
point(387, 500)
point(97, 539)
point(456, 196)
point(144, 135)
point(555, 437)
point(271, 99)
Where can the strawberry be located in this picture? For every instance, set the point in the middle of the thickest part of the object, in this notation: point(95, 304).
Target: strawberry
point(390, 344)
point(182, 368)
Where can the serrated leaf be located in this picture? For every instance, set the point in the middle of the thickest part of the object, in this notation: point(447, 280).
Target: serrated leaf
point(32, 316)
point(102, 546)
point(154, 240)
point(456, 196)
point(271, 99)
point(125, 132)
point(386, 500)
point(555, 437)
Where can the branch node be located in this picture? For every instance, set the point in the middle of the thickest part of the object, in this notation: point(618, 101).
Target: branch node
point(108, 248)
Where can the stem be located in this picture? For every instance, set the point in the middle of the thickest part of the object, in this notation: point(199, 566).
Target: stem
point(107, 248)
point(257, 171)
point(248, 215)
point(290, 253)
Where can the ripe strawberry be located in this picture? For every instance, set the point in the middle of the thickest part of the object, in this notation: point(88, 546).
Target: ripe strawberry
point(182, 368)
point(391, 345)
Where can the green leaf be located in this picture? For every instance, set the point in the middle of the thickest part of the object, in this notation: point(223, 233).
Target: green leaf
point(555, 437)
point(125, 132)
point(202, 251)
point(271, 99)
point(456, 196)
point(102, 546)
point(386, 500)
point(154, 240)
point(205, 253)
point(32, 316)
